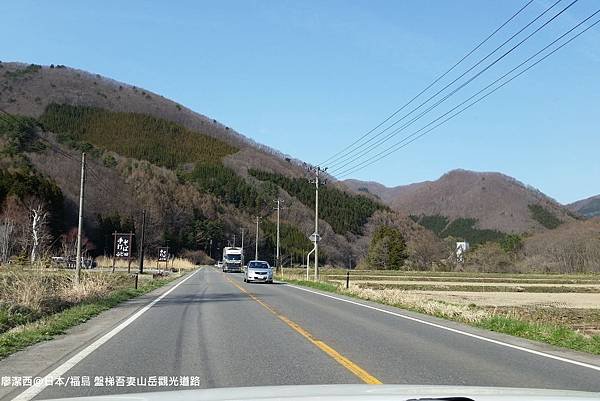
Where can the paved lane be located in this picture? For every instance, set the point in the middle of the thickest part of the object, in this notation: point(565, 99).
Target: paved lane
point(401, 351)
point(207, 328)
point(229, 333)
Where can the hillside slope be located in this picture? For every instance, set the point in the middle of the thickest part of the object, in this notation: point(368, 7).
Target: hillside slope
point(29, 89)
point(496, 201)
point(588, 208)
point(190, 172)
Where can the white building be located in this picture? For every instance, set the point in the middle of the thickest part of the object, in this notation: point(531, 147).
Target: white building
point(460, 250)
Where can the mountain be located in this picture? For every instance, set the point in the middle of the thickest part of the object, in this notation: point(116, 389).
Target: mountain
point(200, 181)
point(491, 201)
point(587, 208)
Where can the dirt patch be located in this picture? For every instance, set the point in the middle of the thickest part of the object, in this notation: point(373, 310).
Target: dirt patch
point(519, 299)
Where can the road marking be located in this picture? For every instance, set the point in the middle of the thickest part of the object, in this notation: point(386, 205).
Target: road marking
point(339, 358)
point(464, 333)
point(69, 364)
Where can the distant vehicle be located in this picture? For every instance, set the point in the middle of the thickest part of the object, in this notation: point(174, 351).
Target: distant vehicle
point(258, 270)
point(69, 263)
point(232, 259)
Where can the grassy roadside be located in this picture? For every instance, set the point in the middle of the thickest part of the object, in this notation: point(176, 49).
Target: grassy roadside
point(53, 325)
point(554, 334)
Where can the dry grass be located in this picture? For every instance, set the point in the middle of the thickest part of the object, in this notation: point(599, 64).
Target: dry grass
point(93, 286)
point(403, 298)
point(149, 263)
point(28, 295)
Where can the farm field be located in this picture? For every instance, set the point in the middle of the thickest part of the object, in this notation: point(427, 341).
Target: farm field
point(568, 300)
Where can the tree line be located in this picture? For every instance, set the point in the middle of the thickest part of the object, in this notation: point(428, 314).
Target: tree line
point(343, 211)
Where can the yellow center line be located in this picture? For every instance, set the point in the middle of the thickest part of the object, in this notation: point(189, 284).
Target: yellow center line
point(339, 358)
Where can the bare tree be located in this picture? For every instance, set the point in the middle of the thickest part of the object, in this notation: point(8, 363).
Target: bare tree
point(39, 228)
point(6, 238)
point(14, 225)
point(68, 243)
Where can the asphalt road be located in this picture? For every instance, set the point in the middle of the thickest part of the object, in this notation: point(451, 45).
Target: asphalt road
point(228, 333)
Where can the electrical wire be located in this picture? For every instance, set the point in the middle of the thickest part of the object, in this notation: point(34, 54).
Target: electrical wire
point(432, 83)
point(401, 144)
point(433, 106)
point(61, 152)
point(343, 158)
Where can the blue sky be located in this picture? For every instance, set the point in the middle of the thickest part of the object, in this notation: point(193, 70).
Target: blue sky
point(309, 77)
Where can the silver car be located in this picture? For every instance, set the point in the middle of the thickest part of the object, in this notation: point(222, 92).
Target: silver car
point(258, 270)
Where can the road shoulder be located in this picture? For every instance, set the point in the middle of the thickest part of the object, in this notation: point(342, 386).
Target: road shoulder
point(39, 359)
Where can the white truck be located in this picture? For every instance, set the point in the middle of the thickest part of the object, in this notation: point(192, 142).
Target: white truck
point(232, 259)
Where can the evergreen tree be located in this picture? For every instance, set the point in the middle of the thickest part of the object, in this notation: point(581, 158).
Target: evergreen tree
point(387, 249)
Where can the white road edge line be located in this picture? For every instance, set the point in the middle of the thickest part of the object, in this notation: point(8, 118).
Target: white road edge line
point(38, 387)
point(464, 333)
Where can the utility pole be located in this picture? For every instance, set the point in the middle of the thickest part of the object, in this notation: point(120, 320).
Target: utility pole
point(80, 220)
point(278, 208)
point(142, 241)
point(317, 182)
point(256, 247)
point(242, 246)
point(317, 223)
point(234, 240)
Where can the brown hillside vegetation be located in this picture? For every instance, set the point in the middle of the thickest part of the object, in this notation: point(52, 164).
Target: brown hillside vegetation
point(497, 201)
point(148, 152)
point(571, 248)
point(589, 207)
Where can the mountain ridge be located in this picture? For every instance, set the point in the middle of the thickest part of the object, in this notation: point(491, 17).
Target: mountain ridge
point(495, 200)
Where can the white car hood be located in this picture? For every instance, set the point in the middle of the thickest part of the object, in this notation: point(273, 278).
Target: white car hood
point(355, 392)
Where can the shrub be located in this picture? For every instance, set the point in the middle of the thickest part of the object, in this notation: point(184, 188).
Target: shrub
point(511, 243)
point(489, 258)
point(109, 161)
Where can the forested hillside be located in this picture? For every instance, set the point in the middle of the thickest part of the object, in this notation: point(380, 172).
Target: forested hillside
point(343, 211)
point(200, 181)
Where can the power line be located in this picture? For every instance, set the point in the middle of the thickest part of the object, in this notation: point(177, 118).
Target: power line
point(433, 106)
point(395, 147)
point(432, 83)
point(401, 144)
point(99, 180)
point(61, 152)
point(348, 155)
